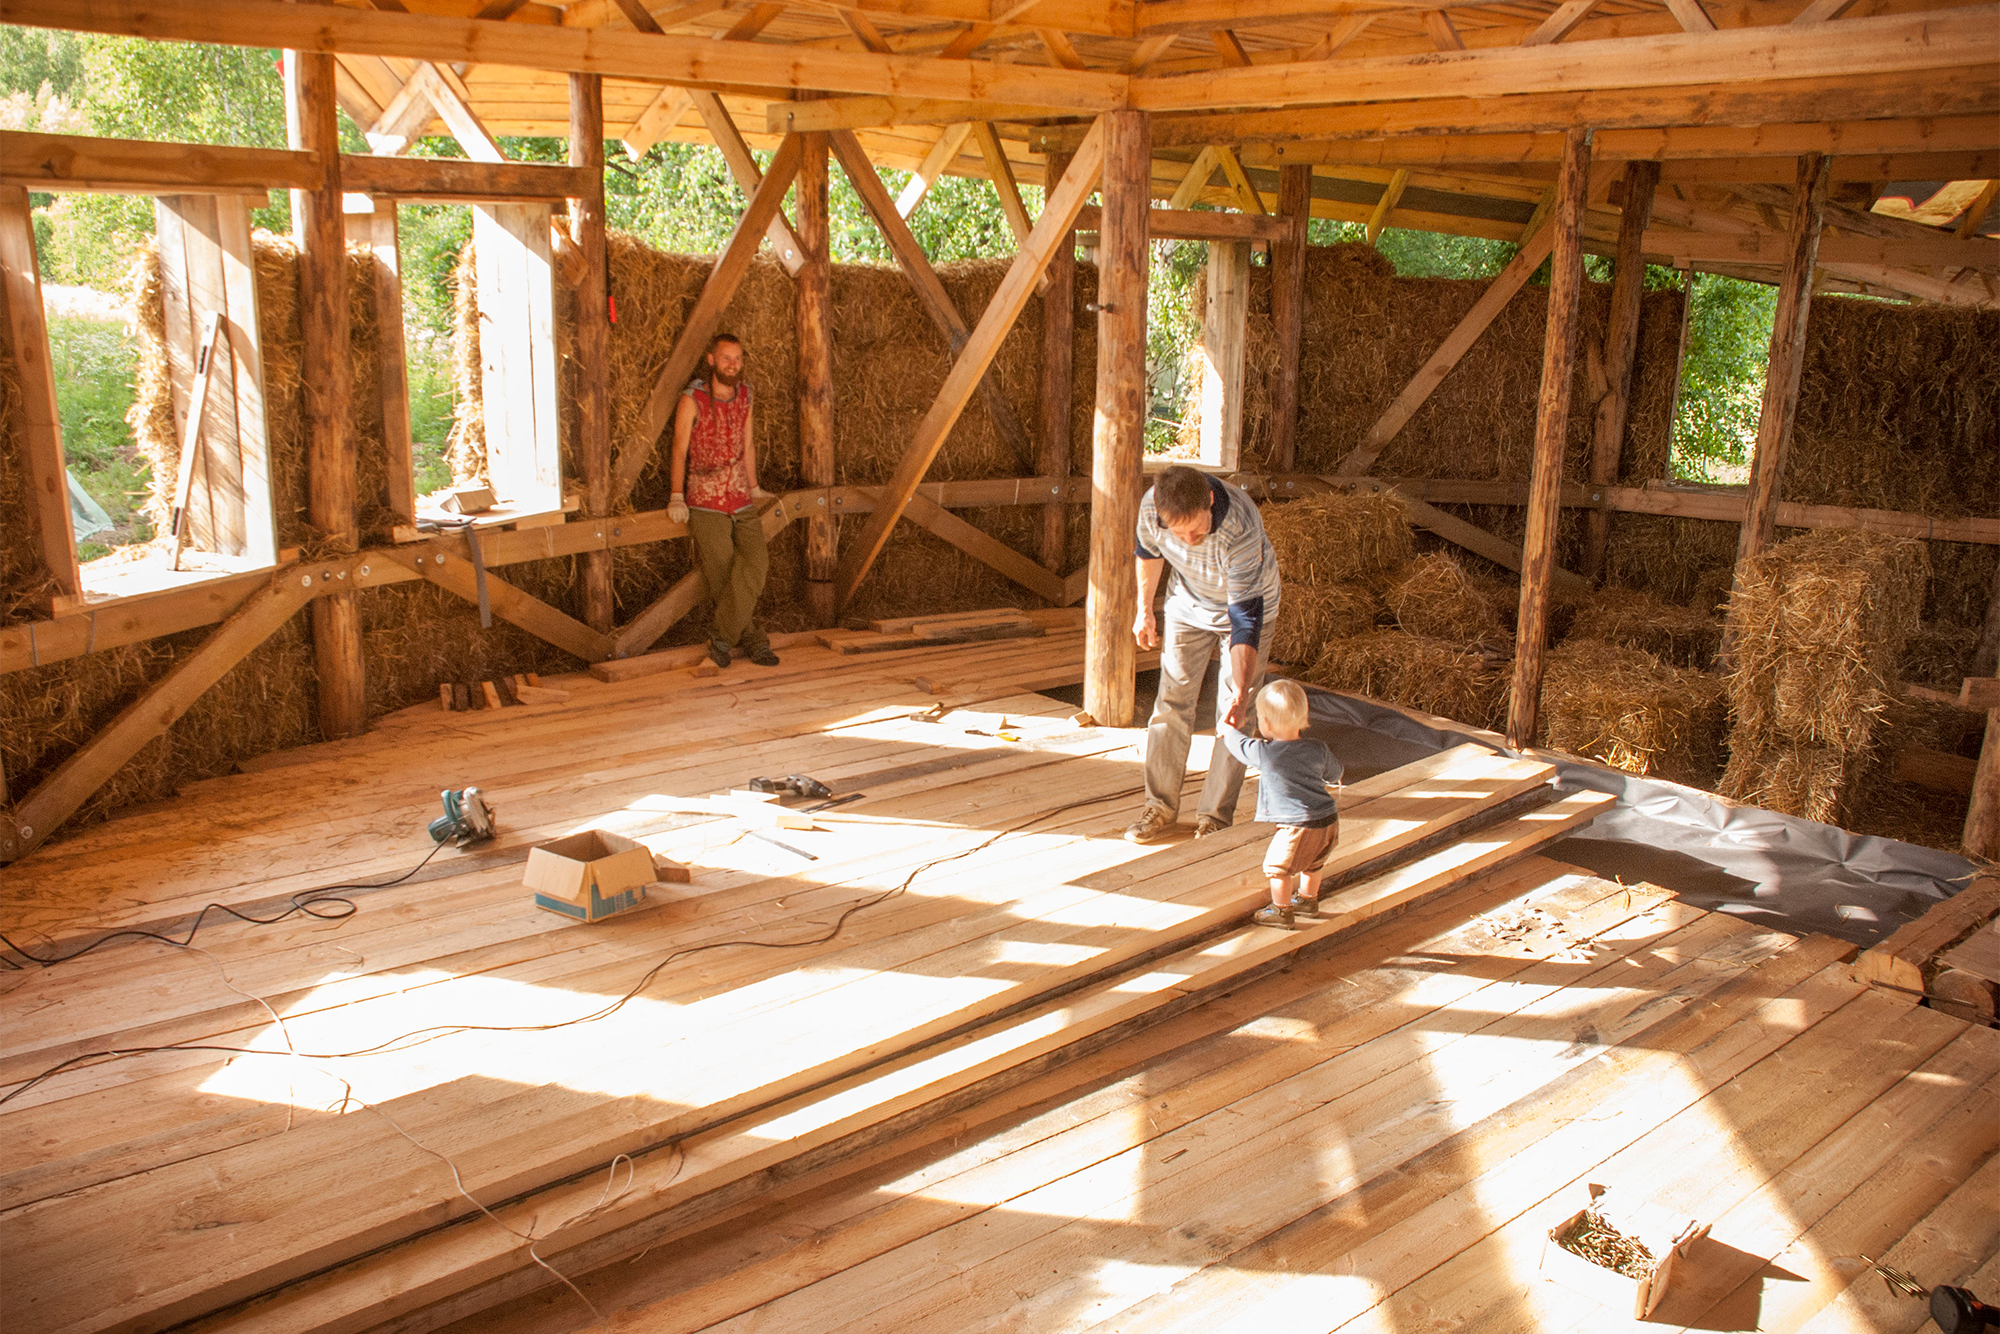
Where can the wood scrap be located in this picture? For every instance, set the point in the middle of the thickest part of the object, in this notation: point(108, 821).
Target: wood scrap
point(492, 695)
point(1904, 962)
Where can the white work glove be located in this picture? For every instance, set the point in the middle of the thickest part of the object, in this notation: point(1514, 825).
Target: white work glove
point(1146, 630)
point(677, 508)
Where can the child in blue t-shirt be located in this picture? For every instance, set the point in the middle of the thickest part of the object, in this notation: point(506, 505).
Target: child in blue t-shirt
point(1294, 772)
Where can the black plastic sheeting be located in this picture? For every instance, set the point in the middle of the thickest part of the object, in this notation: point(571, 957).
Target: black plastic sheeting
point(1795, 875)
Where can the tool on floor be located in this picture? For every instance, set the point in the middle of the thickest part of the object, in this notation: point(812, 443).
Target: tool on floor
point(792, 785)
point(780, 843)
point(930, 715)
point(467, 819)
point(1955, 1310)
point(829, 805)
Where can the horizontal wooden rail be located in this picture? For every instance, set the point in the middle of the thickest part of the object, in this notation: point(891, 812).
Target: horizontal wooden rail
point(132, 620)
point(457, 179)
point(137, 166)
point(1187, 224)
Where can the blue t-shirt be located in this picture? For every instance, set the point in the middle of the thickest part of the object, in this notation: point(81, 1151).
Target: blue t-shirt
point(1292, 777)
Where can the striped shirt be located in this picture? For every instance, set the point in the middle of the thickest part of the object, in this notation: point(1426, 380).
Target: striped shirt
point(1230, 578)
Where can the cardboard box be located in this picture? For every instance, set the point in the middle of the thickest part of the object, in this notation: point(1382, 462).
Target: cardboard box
point(469, 500)
point(1668, 1236)
point(589, 876)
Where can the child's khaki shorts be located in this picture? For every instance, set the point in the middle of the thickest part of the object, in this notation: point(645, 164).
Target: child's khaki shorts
point(1296, 851)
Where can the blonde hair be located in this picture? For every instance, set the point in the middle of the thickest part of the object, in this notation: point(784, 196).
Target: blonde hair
point(1281, 706)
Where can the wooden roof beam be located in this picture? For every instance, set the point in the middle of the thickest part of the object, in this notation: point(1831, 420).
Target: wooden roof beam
point(1869, 139)
point(1896, 43)
point(136, 166)
point(1965, 91)
point(690, 61)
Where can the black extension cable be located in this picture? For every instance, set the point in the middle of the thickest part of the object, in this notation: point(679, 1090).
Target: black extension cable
point(419, 1036)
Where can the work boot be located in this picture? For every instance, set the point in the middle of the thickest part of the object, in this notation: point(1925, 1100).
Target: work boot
point(718, 653)
point(1154, 824)
point(1272, 915)
point(1204, 825)
point(763, 657)
point(1305, 907)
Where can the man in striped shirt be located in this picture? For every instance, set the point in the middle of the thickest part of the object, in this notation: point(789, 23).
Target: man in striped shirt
point(1223, 594)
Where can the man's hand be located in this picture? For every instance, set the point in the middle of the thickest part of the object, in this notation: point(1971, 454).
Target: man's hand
point(677, 508)
point(1146, 630)
point(1238, 709)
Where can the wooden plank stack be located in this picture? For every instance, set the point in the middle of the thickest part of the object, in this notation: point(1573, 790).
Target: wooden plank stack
point(1949, 957)
point(501, 692)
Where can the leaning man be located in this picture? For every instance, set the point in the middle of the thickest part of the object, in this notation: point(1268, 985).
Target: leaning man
point(1223, 595)
point(714, 473)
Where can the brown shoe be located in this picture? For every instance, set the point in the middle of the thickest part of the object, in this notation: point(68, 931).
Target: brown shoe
point(1204, 825)
point(1272, 915)
point(1305, 907)
point(1156, 823)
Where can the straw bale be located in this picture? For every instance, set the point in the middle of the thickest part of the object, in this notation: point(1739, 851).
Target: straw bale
point(1819, 623)
point(1938, 656)
point(1911, 814)
point(1679, 635)
point(1310, 616)
point(1434, 597)
point(1337, 539)
point(1628, 709)
point(1667, 557)
point(1448, 680)
point(1813, 782)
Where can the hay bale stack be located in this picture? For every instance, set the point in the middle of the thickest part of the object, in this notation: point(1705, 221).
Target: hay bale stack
point(1310, 617)
point(1449, 680)
point(1819, 623)
point(1434, 597)
point(1626, 708)
point(25, 583)
point(1679, 635)
point(1337, 539)
point(1939, 656)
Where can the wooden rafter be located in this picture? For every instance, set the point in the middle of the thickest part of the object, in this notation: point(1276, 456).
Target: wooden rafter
point(661, 115)
point(706, 317)
point(916, 267)
point(1386, 205)
point(1199, 173)
point(943, 153)
point(1559, 24)
point(743, 167)
point(1051, 229)
point(1001, 173)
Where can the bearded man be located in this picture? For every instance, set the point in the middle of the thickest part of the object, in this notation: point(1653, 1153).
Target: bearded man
point(713, 469)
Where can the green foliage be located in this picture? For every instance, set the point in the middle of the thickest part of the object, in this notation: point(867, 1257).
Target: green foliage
point(1722, 380)
point(93, 362)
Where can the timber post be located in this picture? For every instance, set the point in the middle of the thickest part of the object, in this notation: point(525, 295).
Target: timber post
point(1621, 345)
point(1538, 546)
point(1788, 354)
point(593, 336)
point(330, 449)
point(813, 309)
point(1058, 376)
point(1118, 446)
point(1288, 311)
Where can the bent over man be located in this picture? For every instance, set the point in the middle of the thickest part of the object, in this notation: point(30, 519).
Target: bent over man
point(1223, 594)
point(713, 469)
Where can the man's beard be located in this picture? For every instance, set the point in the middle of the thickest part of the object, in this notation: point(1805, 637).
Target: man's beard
point(727, 379)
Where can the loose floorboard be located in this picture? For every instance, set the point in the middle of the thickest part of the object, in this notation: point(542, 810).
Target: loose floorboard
point(1047, 1080)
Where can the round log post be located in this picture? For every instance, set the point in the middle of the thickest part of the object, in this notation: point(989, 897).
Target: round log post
point(813, 310)
point(1288, 311)
point(593, 337)
point(1118, 443)
point(1621, 343)
point(1538, 545)
point(312, 126)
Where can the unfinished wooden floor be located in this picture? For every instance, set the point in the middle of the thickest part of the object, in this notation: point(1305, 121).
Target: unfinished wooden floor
point(1049, 1085)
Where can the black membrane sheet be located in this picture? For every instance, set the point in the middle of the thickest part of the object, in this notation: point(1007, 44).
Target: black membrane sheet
point(1796, 875)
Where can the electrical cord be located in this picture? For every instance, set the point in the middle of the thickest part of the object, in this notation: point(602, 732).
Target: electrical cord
point(309, 901)
point(422, 1035)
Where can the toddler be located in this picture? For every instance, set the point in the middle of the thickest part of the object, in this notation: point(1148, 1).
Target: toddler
point(1293, 774)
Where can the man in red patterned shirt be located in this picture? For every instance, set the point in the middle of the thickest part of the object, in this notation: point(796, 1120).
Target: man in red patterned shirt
point(714, 473)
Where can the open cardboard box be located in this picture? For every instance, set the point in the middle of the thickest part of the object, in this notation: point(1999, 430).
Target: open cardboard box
point(595, 874)
point(1667, 1235)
